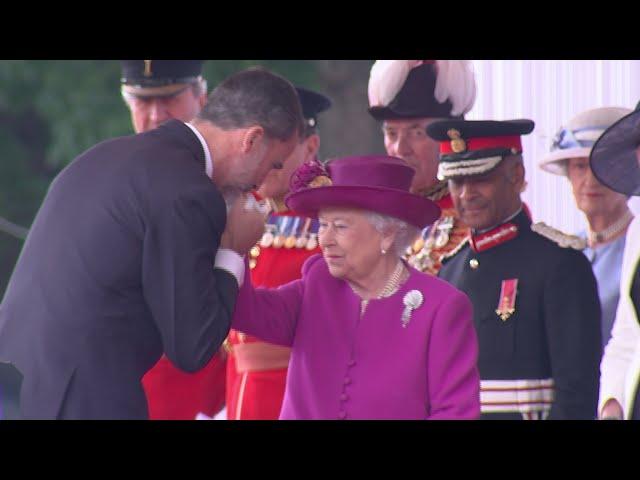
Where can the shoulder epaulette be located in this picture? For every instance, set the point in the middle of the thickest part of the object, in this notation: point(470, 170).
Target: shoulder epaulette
point(562, 239)
point(436, 192)
point(452, 253)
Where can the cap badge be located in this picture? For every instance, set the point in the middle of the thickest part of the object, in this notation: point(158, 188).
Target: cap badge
point(458, 145)
point(147, 68)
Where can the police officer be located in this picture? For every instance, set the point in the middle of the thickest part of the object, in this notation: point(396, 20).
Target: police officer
point(407, 96)
point(256, 370)
point(535, 298)
point(156, 91)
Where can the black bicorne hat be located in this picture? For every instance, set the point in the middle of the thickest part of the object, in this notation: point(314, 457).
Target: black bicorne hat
point(415, 99)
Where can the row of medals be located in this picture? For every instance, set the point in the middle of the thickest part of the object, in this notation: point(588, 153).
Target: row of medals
point(269, 238)
point(419, 254)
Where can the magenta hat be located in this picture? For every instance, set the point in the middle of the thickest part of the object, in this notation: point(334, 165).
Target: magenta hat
point(375, 183)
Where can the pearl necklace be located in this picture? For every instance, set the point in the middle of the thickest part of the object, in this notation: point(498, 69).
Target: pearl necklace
point(389, 289)
point(611, 231)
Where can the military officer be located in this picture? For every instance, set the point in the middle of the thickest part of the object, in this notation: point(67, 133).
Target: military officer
point(257, 371)
point(407, 96)
point(156, 91)
point(535, 299)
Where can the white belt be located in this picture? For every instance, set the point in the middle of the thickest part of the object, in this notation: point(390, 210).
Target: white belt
point(520, 396)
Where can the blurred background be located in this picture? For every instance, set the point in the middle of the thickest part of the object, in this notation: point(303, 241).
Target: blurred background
point(51, 111)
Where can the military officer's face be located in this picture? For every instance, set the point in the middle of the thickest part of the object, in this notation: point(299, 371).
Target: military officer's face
point(484, 201)
point(350, 244)
point(148, 113)
point(276, 185)
point(591, 196)
point(408, 140)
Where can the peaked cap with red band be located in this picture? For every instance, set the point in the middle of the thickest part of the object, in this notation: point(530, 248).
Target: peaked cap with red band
point(470, 147)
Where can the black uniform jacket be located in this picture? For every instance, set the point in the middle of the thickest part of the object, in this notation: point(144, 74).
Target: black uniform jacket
point(554, 333)
point(117, 269)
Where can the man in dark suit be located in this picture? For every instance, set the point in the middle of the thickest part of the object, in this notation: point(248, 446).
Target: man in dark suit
point(119, 264)
point(535, 299)
point(156, 91)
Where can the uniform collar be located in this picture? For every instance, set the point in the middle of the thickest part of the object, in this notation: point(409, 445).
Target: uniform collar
point(506, 231)
point(435, 192)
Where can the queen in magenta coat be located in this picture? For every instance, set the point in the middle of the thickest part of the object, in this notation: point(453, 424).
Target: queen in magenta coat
point(371, 337)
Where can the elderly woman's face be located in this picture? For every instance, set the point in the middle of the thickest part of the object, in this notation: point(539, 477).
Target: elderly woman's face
point(591, 196)
point(350, 245)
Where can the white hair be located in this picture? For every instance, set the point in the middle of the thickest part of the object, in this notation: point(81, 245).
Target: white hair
point(405, 232)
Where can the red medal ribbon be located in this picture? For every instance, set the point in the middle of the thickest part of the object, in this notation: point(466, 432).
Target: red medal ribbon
point(507, 302)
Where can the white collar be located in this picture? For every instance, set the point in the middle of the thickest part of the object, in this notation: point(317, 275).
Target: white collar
point(207, 154)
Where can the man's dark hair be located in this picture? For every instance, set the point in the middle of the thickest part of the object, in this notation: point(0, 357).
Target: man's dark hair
point(255, 96)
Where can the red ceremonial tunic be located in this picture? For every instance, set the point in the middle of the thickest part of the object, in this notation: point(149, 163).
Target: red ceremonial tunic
point(257, 371)
point(176, 395)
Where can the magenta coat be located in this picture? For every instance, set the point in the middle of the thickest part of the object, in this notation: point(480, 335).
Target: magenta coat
point(346, 367)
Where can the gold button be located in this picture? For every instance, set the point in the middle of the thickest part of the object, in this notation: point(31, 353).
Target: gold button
point(473, 263)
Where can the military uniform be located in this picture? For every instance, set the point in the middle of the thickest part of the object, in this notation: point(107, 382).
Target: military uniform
point(536, 312)
point(256, 370)
point(535, 299)
point(439, 239)
point(405, 89)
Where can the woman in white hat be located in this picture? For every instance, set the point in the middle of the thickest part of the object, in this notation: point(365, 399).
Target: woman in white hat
point(607, 213)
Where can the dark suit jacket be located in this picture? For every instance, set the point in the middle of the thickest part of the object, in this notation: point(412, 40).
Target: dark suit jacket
point(555, 329)
point(117, 268)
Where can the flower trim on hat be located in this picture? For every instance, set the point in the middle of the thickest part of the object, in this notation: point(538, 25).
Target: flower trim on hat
point(309, 175)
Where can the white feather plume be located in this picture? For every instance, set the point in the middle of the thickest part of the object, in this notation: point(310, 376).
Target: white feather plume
point(386, 79)
point(455, 81)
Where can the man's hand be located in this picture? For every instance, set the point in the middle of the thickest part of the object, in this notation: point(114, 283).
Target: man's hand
point(611, 410)
point(245, 224)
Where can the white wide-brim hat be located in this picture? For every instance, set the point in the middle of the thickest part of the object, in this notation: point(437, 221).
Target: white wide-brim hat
point(577, 138)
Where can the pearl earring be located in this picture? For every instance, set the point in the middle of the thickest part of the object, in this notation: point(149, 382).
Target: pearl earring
point(384, 252)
